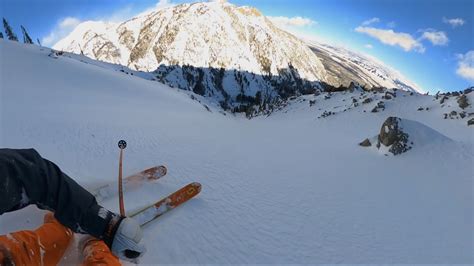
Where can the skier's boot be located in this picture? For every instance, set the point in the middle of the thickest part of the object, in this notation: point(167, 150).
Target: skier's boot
point(96, 252)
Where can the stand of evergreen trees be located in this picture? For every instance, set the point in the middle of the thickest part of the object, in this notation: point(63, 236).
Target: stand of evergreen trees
point(26, 37)
point(9, 32)
point(10, 35)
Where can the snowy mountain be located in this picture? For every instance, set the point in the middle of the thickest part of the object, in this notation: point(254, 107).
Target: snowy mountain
point(291, 188)
point(224, 51)
point(229, 49)
point(344, 66)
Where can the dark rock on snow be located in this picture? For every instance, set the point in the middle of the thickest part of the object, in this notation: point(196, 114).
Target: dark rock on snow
point(470, 122)
point(368, 100)
point(392, 135)
point(443, 99)
point(462, 101)
point(365, 143)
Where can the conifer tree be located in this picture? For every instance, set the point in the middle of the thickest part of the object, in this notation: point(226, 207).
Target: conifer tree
point(1, 35)
point(9, 32)
point(26, 36)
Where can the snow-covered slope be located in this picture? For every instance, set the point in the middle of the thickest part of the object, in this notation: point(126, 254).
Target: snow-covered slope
point(223, 51)
point(288, 188)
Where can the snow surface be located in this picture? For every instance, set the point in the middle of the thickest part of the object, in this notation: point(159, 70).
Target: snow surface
point(287, 188)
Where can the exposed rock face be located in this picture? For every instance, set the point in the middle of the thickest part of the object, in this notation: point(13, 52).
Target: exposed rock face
point(392, 135)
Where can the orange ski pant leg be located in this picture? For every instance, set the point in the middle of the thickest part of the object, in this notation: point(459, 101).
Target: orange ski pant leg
point(96, 252)
point(43, 246)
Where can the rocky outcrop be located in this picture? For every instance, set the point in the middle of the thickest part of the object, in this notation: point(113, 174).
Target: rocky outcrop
point(392, 135)
point(462, 101)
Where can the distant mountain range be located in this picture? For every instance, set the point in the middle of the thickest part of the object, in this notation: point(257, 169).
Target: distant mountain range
point(344, 66)
point(231, 53)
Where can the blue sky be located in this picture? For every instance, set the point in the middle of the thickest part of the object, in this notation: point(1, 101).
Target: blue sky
point(429, 41)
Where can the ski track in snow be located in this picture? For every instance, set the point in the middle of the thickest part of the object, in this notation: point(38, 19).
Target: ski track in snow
point(289, 188)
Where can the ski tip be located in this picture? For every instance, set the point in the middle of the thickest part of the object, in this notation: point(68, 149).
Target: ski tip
point(155, 172)
point(197, 185)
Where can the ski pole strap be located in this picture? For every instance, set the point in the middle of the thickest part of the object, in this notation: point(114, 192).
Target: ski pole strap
point(111, 229)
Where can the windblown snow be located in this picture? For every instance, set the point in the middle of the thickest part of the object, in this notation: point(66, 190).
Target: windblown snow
point(293, 187)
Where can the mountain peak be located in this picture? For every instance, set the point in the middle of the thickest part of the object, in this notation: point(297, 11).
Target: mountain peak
point(217, 49)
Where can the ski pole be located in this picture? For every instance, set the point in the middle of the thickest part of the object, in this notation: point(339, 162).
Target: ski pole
point(122, 144)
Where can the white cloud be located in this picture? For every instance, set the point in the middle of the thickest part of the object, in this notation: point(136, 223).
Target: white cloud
point(454, 22)
point(164, 4)
point(128, 13)
point(370, 21)
point(61, 30)
point(392, 24)
point(435, 37)
point(466, 65)
point(119, 15)
point(69, 22)
point(292, 22)
point(401, 39)
point(368, 46)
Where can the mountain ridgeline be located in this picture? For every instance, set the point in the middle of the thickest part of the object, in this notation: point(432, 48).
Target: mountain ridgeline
point(233, 54)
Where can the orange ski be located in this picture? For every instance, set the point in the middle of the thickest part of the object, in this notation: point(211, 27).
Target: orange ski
point(154, 211)
point(136, 180)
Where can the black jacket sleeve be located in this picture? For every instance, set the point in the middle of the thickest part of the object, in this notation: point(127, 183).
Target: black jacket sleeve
point(27, 178)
